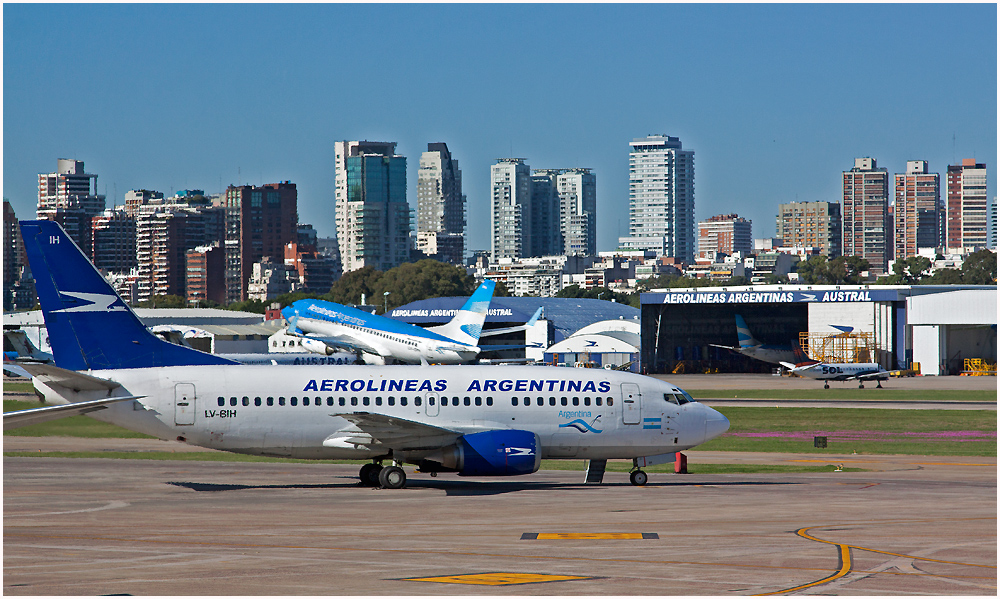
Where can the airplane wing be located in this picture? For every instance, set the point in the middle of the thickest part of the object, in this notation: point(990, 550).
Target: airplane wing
point(736, 349)
point(37, 415)
point(884, 375)
point(379, 430)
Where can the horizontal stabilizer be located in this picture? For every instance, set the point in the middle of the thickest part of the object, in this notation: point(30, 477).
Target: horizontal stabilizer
point(49, 413)
point(69, 379)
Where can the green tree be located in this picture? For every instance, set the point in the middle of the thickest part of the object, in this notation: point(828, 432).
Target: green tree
point(349, 288)
point(910, 271)
point(425, 279)
point(944, 276)
point(980, 268)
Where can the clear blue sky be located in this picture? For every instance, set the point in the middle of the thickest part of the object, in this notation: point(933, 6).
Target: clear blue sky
point(775, 100)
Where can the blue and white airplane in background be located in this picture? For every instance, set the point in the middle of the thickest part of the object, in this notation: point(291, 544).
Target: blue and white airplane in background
point(470, 420)
point(326, 326)
point(751, 347)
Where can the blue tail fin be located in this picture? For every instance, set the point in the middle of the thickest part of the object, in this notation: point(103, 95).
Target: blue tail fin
point(467, 325)
point(89, 326)
point(744, 335)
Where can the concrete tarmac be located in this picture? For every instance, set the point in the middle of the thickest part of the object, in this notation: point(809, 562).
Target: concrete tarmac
point(911, 525)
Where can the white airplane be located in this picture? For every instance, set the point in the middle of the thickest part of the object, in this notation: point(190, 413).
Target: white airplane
point(323, 327)
point(470, 420)
point(17, 349)
point(751, 347)
point(824, 371)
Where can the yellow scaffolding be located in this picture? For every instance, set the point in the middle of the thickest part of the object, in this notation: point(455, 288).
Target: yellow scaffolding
point(841, 348)
point(978, 367)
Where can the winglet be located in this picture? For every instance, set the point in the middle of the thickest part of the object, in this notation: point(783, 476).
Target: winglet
point(534, 318)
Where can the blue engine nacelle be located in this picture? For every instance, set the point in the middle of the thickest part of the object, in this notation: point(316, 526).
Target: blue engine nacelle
point(489, 453)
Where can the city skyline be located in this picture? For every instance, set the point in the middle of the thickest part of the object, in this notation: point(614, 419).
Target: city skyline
point(753, 90)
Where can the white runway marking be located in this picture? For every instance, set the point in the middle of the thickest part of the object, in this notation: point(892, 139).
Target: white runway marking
point(111, 506)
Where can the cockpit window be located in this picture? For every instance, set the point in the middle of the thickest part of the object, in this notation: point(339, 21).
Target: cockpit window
point(680, 397)
point(670, 397)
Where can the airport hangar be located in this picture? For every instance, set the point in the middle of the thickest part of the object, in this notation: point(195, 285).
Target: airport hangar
point(580, 330)
point(935, 326)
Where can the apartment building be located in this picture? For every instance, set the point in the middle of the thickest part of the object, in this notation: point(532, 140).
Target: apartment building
point(811, 224)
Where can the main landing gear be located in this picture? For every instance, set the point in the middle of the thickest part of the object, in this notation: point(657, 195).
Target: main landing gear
point(638, 478)
point(386, 477)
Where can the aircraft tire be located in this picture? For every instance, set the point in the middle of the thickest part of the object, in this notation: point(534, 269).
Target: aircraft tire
point(861, 385)
point(638, 478)
point(369, 475)
point(392, 477)
point(826, 385)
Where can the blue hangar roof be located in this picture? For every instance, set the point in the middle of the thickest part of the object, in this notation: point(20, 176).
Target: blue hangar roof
point(568, 315)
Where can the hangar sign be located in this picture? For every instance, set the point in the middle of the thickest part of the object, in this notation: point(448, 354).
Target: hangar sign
point(770, 297)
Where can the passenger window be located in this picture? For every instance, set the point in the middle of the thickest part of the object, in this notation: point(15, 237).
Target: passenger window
point(270, 401)
point(479, 401)
point(513, 401)
point(343, 401)
point(586, 401)
point(563, 401)
point(489, 401)
point(402, 401)
point(611, 401)
point(222, 401)
point(468, 401)
point(454, 401)
point(540, 401)
point(232, 401)
point(552, 401)
point(256, 401)
point(378, 401)
point(392, 401)
point(305, 401)
point(576, 401)
point(416, 401)
point(354, 401)
point(281, 401)
point(293, 401)
point(430, 401)
point(365, 401)
point(597, 401)
point(329, 401)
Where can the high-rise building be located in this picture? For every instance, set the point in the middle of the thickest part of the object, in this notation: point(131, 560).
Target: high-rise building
point(69, 197)
point(373, 218)
point(440, 205)
point(18, 285)
point(916, 212)
point(545, 238)
point(114, 235)
point(661, 197)
point(510, 221)
point(577, 188)
point(992, 241)
point(865, 212)
point(206, 274)
point(966, 205)
point(725, 233)
point(259, 222)
point(811, 224)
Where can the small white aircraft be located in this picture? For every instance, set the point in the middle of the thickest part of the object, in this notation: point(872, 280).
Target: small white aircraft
point(824, 371)
point(470, 420)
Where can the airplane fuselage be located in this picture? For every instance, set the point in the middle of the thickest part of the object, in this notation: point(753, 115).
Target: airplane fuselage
point(576, 413)
point(400, 346)
point(840, 372)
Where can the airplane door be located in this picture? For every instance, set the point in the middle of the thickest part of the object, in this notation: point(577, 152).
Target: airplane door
point(433, 404)
point(184, 403)
point(631, 403)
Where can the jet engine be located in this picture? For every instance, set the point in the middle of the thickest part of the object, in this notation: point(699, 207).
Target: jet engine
point(489, 453)
point(316, 346)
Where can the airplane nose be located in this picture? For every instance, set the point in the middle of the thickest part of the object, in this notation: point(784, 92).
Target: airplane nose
point(715, 424)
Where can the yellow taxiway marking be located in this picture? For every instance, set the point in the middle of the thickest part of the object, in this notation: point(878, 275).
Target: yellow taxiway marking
point(499, 578)
point(542, 536)
point(844, 555)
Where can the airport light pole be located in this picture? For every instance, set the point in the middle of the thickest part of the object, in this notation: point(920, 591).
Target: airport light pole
point(385, 302)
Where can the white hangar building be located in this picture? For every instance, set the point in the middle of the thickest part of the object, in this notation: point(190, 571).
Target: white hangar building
point(937, 326)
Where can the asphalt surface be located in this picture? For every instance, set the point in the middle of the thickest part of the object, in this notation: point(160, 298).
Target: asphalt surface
point(912, 525)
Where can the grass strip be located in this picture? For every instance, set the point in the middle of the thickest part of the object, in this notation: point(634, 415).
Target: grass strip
point(572, 465)
point(851, 394)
